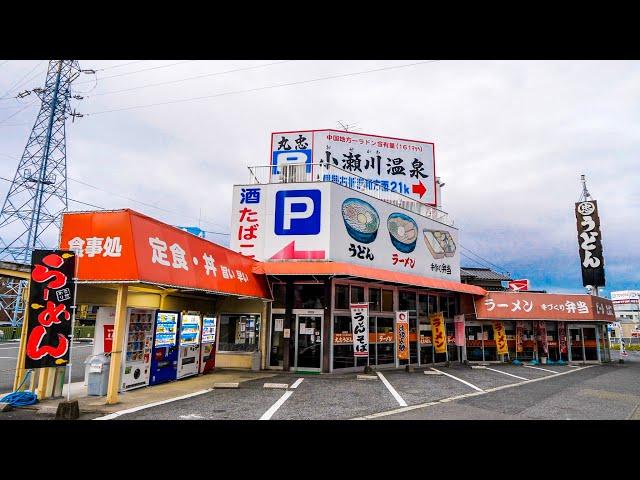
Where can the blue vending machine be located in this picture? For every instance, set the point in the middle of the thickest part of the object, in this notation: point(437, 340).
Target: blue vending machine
point(164, 357)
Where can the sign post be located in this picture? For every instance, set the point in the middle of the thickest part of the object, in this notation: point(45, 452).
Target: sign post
point(402, 336)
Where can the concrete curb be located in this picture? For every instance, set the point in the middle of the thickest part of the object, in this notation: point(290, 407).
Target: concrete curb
point(283, 386)
point(367, 377)
point(226, 385)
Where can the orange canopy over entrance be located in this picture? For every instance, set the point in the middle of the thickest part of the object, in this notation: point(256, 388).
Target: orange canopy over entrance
point(127, 246)
point(340, 268)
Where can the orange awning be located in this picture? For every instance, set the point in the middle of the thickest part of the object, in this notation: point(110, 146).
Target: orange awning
point(340, 268)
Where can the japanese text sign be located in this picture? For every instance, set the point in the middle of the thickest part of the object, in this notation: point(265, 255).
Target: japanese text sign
point(590, 243)
point(519, 333)
point(542, 334)
point(360, 329)
point(51, 297)
point(500, 338)
point(543, 306)
point(402, 335)
point(127, 246)
point(562, 337)
point(107, 342)
point(438, 332)
point(458, 321)
point(397, 165)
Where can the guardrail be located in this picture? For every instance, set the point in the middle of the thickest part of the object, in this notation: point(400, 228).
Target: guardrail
point(326, 172)
point(81, 332)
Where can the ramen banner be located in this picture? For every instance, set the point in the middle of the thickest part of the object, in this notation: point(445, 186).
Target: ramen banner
point(500, 338)
point(51, 297)
point(402, 335)
point(360, 329)
point(438, 332)
point(562, 337)
point(519, 333)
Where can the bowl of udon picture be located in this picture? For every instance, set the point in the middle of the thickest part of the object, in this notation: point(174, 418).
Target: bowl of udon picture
point(403, 231)
point(360, 219)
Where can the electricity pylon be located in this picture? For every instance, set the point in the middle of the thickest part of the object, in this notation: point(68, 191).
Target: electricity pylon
point(38, 194)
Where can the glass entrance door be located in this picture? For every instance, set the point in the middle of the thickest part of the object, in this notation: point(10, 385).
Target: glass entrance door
point(308, 343)
point(276, 353)
point(576, 350)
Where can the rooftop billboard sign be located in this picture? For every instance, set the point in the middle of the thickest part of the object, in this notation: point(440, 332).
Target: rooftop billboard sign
point(399, 165)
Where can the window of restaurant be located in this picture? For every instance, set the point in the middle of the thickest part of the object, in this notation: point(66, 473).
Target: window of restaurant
point(576, 353)
point(239, 332)
point(308, 295)
point(529, 347)
point(452, 349)
point(342, 342)
point(341, 297)
point(489, 343)
point(357, 294)
point(387, 300)
point(510, 333)
point(605, 353)
point(552, 341)
point(473, 332)
point(590, 343)
point(278, 295)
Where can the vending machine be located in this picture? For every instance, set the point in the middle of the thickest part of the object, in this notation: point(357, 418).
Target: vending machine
point(208, 346)
point(189, 346)
point(137, 349)
point(164, 357)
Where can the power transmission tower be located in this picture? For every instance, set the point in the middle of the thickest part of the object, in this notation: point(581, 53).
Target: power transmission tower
point(38, 193)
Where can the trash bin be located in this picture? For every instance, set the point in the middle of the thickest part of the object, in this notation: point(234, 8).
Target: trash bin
point(98, 374)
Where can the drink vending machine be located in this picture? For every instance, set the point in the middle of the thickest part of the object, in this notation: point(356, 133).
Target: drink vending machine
point(208, 347)
point(137, 353)
point(164, 357)
point(189, 347)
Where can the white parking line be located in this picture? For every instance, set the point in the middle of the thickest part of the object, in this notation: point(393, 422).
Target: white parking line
point(149, 405)
point(458, 397)
point(538, 368)
point(395, 394)
point(297, 383)
point(510, 374)
point(274, 408)
point(459, 379)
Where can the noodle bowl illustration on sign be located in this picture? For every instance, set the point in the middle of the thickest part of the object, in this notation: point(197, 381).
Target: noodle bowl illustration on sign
point(360, 219)
point(403, 231)
point(440, 243)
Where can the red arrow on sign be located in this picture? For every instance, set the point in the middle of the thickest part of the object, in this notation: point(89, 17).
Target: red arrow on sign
point(289, 252)
point(419, 188)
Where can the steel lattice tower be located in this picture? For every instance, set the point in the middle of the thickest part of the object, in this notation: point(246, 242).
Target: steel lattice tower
point(38, 194)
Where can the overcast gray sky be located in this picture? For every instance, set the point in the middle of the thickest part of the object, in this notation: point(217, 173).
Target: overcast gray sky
point(511, 140)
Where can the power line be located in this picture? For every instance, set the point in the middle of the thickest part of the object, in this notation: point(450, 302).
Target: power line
point(21, 81)
point(262, 88)
point(16, 113)
point(119, 65)
point(187, 79)
point(484, 259)
point(138, 71)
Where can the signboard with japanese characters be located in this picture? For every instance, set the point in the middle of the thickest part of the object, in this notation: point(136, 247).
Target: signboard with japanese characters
point(500, 338)
point(458, 321)
point(562, 337)
point(518, 285)
point(438, 333)
point(51, 297)
point(402, 335)
point(519, 334)
point(125, 245)
point(590, 243)
point(398, 165)
point(325, 221)
point(546, 306)
point(360, 329)
point(544, 341)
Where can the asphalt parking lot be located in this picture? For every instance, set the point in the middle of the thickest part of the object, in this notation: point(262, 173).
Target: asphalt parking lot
point(344, 396)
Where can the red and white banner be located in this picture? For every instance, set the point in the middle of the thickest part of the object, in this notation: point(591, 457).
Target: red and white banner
point(519, 285)
point(519, 333)
point(360, 329)
point(562, 337)
point(458, 321)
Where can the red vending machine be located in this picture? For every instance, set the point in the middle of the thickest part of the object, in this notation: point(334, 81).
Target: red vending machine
point(208, 346)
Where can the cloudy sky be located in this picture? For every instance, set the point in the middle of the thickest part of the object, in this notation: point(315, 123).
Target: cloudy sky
point(511, 137)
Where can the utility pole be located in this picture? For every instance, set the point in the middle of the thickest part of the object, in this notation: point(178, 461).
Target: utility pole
point(38, 194)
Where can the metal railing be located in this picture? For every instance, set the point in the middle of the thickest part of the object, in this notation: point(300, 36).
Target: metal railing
point(326, 172)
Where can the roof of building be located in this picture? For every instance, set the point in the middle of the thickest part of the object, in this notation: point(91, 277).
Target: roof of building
point(340, 268)
point(483, 274)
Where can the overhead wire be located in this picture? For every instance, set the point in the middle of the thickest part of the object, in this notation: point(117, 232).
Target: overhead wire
point(20, 82)
point(300, 82)
point(196, 77)
point(483, 259)
point(139, 71)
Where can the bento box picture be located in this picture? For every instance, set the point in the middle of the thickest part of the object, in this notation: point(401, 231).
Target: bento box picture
point(440, 243)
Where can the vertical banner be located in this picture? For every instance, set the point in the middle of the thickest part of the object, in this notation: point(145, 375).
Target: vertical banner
point(542, 332)
point(360, 329)
point(402, 335)
point(500, 338)
point(458, 321)
point(107, 342)
point(438, 332)
point(50, 307)
point(562, 337)
point(519, 333)
point(590, 243)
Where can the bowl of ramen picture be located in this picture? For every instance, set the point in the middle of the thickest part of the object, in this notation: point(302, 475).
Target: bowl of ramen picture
point(360, 219)
point(403, 231)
